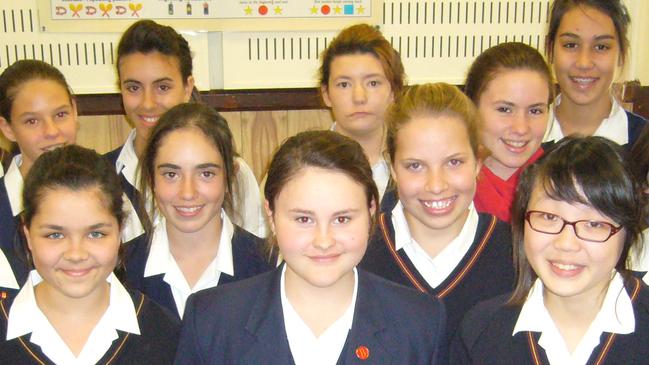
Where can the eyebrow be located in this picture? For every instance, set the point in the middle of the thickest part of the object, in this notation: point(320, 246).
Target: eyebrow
point(60, 228)
point(56, 110)
point(205, 165)
point(310, 212)
point(599, 37)
point(154, 81)
point(509, 103)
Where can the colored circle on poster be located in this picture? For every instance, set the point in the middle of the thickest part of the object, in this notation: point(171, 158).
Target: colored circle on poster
point(325, 9)
point(263, 10)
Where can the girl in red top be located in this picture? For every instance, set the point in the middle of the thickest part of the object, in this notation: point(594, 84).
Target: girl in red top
point(512, 86)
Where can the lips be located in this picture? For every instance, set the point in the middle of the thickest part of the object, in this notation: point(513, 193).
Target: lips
point(52, 147)
point(438, 206)
point(188, 211)
point(565, 269)
point(583, 82)
point(323, 259)
point(514, 146)
point(149, 120)
point(76, 273)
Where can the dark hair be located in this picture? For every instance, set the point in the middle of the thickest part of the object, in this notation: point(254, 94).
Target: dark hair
point(21, 72)
point(433, 100)
point(585, 170)
point(614, 9)
point(501, 58)
point(146, 36)
point(73, 168)
point(323, 149)
point(364, 39)
point(186, 116)
point(638, 159)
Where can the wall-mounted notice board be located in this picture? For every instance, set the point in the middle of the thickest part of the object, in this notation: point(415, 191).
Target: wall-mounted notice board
point(209, 15)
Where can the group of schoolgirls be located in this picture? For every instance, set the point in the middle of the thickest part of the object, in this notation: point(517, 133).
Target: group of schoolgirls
point(389, 235)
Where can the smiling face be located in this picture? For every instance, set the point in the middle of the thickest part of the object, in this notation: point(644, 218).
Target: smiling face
point(74, 241)
point(570, 268)
point(151, 84)
point(358, 94)
point(514, 110)
point(321, 240)
point(586, 56)
point(435, 170)
point(42, 118)
point(189, 181)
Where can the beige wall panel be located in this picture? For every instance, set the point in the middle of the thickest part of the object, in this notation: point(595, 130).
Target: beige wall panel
point(262, 132)
point(303, 120)
point(102, 133)
point(234, 122)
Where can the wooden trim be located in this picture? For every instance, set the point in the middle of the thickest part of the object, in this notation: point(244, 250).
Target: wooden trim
point(292, 99)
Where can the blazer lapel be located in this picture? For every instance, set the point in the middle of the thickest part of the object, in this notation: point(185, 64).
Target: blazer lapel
point(266, 325)
point(367, 342)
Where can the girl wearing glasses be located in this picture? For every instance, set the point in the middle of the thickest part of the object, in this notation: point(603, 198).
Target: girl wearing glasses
point(575, 218)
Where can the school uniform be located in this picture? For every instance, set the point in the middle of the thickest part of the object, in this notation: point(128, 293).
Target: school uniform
point(11, 205)
point(8, 283)
point(245, 323)
point(494, 195)
point(246, 195)
point(621, 126)
point(496, 333)
point(475, 266)
point(152, 269)
point(133, 330)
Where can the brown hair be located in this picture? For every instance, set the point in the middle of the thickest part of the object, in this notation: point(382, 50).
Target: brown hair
point(364, 39)
point(433, 100)
point(614, 9)
point(501, 58)
point(324, 149)
point(585, 170)
point(185, 116)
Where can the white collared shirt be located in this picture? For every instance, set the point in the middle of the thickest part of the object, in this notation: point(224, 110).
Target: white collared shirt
point(161, 261)
point(7, 277)
point(615, 127)
point(305, 347)
point(246, 195)
point(434, 270)
point(26, 317)
point(380, 171)
point(14, 182)
point(2, 171)
point(615, 316)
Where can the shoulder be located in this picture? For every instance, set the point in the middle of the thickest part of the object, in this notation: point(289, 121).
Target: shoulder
point(247, 253)
point(486, 315)
point(113, 155)
point(152, 317)
point(635, 119)
point(496, 232)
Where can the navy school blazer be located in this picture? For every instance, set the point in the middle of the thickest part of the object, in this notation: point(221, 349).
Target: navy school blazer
point(10, 237)
point(246, 257)
point(243, 323)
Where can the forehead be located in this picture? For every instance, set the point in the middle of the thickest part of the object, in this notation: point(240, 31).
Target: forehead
point(188, 144)
point(37, 93)
point(356, 64)
point(586, 21)
point(434, 135)
point(62, 203)
point(521, 84)
point(145, 66)
point(322, 189)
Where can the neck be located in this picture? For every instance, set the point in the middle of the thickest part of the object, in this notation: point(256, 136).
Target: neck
point(582, 119)
point(371, 142)
point(319, 307)
point(499, 169)
point(24, 168)
point(139, 144)
point(434, 241)
point(196, 244)
point(55, 304)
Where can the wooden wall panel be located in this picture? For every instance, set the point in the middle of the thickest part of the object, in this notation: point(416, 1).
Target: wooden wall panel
point(103, 133)
point(262, 133)
point(302, 120)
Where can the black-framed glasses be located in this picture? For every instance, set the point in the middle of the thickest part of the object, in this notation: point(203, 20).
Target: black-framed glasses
point(587, 230)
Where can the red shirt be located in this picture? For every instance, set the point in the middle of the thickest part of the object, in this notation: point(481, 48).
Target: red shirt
point(495, 195)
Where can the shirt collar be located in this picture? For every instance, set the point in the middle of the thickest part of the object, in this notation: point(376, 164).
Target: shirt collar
point(615, 316)
point(160, 257)
point(614, 127)
point(26, 317)
point(127, 160)
point(14, 184)
point(7, 277)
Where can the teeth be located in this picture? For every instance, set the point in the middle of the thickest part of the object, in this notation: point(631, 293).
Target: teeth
point(517, 144)
point(150, 119)
point(438, 204)
point(53, 147)
point(188, 209)
point(583, 80)
point(566, 267)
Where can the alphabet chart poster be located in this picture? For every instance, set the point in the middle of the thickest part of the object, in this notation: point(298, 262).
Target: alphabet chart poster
point(217, 15)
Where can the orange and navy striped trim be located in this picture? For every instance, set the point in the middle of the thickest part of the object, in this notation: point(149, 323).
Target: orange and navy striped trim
point(607, 345)
point(404, 268)
point(38, 360)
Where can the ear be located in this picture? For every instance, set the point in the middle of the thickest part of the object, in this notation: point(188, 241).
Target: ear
point(7, 130)
point(325, 95)
point(372, 207)
point(75, 113)
point(28, 239)
point(189, 87)
point(269, 215)
point(392, 172)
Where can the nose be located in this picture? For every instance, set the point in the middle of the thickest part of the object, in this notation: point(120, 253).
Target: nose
point(148, 99)
point(188, 188)
point(76, 251)
point(324, 238)
point(567, 240)
point(520, 124)
point(50, 129)
point(436, 180)
point(584, 58)
point(359, 94)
